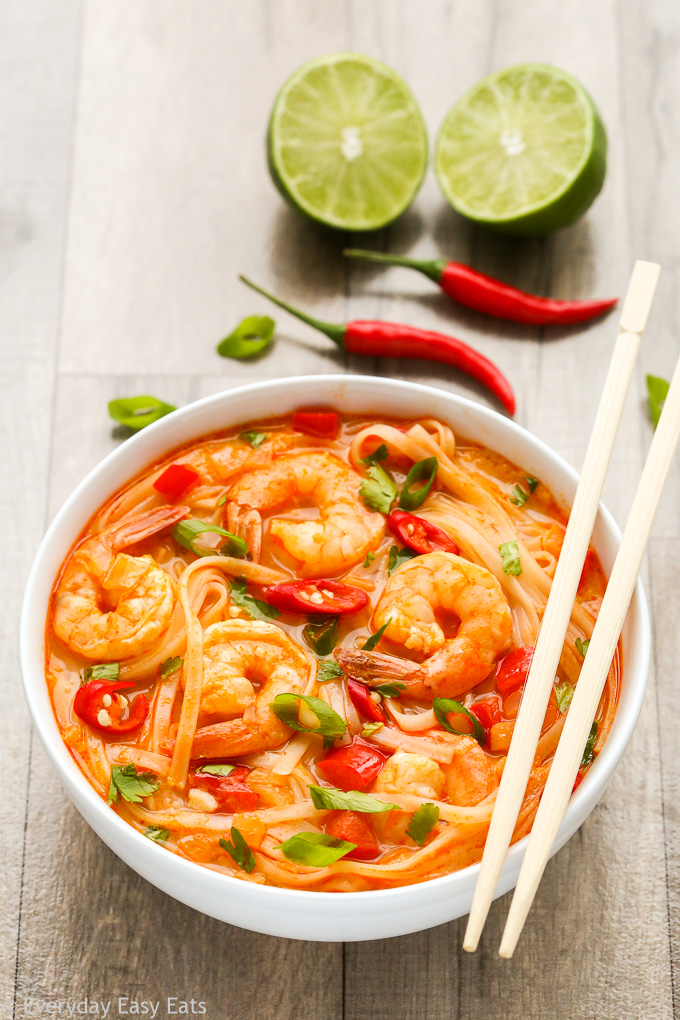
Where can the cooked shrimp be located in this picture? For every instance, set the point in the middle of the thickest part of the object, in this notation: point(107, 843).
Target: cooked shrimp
point(438, 582)
point(257, 653)
point(345, 529)
point(470, 777)
point(109, 605)
point(406, 773)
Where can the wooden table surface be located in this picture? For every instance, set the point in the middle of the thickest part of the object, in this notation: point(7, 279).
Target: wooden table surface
point(133, 188)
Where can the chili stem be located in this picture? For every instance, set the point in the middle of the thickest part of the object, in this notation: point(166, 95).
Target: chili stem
point(332, 330)
point(432, 267)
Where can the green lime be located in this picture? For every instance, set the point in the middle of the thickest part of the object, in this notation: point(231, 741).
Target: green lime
point(346, 142)
point(524, 151)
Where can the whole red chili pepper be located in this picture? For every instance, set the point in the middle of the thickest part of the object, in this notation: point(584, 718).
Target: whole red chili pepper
point(486, 294)
point(391, 340)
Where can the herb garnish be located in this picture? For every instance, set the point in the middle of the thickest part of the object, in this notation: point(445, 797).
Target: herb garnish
point(657, 391)
point(582, 646)
point(254, 438)
point(171, 666)
point(328, 797)
point(398, 556)
point(511, 562)
point(443, 707)
point(132, 785)
point(215, 770)
point(254, 607)
point(109, 671)
point(423, 470)
point(322, 635)
point(588, 753)
point(563, 695)
point(322, 719)
point(238, 850)
point(187, 531)
point(328, 670)
point(378, 491)
point(390, 690)
point(422, 823)
point(519, 495)
point(315, 849)
point(369, 645)
point(157, 833)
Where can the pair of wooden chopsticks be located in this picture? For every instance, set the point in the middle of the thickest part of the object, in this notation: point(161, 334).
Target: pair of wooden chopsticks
point(556, 620)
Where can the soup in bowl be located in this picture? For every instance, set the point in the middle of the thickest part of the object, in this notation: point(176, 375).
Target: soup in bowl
point(284, 649)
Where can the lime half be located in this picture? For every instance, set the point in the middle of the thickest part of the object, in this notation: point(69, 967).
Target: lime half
point(346, 142)
point(523, 151)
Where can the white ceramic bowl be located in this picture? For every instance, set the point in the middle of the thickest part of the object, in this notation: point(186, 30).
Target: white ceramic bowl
point(328, 917)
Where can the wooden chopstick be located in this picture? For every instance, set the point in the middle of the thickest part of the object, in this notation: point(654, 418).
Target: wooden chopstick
point(561, 599)
point(597, 662)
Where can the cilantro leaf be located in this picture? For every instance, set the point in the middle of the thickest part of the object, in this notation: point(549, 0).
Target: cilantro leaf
point(239, 850)
point(157, 833)
point(511, 562)
point(187, 531)
point(254, 438)
point(132, 785)
point(171, 666)
point(588, 752)
point(378, 491)
point(250, 337)
point(254, 607)
point(582, 646)
point(380, 453)
point(328, 670)
point(564, 693)
point(390, 690)
point(422, 823)
point(215, 770)
point(374, 638)
point(321, 718)
point(315, 849)
point(104, 671)
point(397, 557)
point(138, 412)
point(328, 797)
point(657, 391)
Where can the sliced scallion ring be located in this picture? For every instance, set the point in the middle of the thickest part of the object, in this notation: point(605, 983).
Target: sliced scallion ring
point(443, 707)
point(186, 532)
point(423, 470)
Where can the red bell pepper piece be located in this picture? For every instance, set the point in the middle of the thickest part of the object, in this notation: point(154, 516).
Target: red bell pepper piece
point(355, 828)
point(175, 480)
point(318, 596)
point(231, 792)
point(488, 710)
point(513, 671)
point(115, 717)
point(364, 703)
point(418, 534)
point(316, 423)
point(588, 565)
point(352, 767)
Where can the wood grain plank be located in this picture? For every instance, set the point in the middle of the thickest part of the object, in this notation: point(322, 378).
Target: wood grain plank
point(38, 57)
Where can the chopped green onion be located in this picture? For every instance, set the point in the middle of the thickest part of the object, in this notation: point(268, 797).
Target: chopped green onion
point(390, 690)
point(582, 646)
point(130, 784)
point(248, 339)
point(322, 635)
point(330, 725)
point(171, 666)
point(215, 770)
point(222, 500)
point(519, 495)
point(378, 491)
point(657, 391)
point(315, 849)
point(104, 671)
point(589, 753)
point(328, 797)
point(238, 850)
point(398, 556)
point(138, 412)
point(256, 608)
point(254, 438)
point(443, 707)
point(186, 532)
point(563, 695)
point(328, 670)
point(423, 470)
point(370, 728)
point(422, 823)
point(368, 559)
point(375, 638)
point(511, 561)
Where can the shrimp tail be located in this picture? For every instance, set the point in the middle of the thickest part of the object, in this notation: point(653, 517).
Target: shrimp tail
point(146, 524)
point(374, 666)
point(246, 522)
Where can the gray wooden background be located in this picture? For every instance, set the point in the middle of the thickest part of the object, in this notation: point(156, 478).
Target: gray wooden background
point(133, 188)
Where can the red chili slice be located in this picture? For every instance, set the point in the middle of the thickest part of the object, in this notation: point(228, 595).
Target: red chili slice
point(488, 710)
point(355, 828)
point(353, 767)
point(175, 480)
point(513, 670)
point(319, 596)
point(231, 792)
point(316, 423)
point(89, 705)
point(364, 703)
point(419, 534)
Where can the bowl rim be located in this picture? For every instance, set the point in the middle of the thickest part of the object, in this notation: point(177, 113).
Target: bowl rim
point(98, 814)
